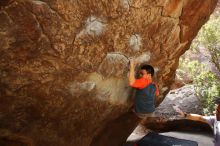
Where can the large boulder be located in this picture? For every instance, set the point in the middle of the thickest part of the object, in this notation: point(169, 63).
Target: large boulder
point(64, 64)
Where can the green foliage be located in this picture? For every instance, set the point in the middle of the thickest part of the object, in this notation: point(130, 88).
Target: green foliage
point(209, 37)
point(189, 68)
point(206, 82)
point(207, 87)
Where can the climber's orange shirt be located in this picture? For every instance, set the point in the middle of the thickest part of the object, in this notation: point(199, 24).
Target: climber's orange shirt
point(142, 83)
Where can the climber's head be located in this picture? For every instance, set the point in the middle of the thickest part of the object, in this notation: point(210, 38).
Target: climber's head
point(147, 71)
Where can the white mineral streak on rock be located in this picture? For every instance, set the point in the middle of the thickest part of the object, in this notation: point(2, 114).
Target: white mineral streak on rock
point(126, 3)
point(116, 57)
point(143, 58)
point(77, 88)
point(94, 26)
point(38, 2)
point(135, 42)
point(89, 86)
point(114, 90)
point(114, 65)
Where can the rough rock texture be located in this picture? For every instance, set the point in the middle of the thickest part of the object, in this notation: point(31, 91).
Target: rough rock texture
point(63, 64)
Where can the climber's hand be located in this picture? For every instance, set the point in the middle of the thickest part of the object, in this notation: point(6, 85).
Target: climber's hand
point(132, 63)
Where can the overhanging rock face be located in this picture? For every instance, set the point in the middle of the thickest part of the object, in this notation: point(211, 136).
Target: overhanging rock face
point(64, 64)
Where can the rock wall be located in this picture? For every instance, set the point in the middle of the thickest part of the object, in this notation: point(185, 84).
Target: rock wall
point(64, 64)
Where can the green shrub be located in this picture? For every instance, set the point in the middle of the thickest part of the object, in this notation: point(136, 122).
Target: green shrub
point(207, 87)
point(206, 83)
point(189, 68)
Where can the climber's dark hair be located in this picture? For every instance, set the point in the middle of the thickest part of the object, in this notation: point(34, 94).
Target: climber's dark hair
point(148, 68)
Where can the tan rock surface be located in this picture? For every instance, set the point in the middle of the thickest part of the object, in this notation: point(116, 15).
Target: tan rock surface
point(63, 64)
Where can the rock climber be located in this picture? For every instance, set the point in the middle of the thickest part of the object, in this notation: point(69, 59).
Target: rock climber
point(146, 89)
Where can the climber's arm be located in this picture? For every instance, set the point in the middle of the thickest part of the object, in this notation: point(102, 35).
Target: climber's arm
point(131, 76)
point(195, 117)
